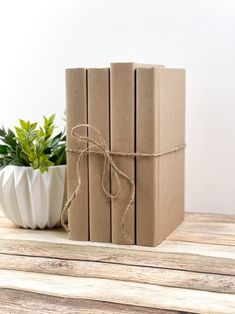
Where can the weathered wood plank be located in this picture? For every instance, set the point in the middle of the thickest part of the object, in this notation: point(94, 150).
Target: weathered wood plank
point(189, 216)
point(196, 248)
point(224, 229)
point(18, 302)
point(206, 238)
point(198, 255)
point(120, 292)
point(205, 227)
point(177, 235)
point(194, 223)
point(148, 275)
point(202, 217)
point(52, 236)
point(116, 255)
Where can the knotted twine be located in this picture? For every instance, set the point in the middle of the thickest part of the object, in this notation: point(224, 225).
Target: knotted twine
point(99, 147)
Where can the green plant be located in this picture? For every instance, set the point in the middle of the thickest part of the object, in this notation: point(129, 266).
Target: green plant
point(32, 146)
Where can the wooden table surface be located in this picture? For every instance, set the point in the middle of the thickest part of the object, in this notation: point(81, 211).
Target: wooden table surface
point(192, 271)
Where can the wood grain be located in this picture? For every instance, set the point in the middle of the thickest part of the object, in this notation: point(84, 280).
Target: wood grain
point(205, 227)
point(18, 302)
point(120, 292)
point(191, 262)
point(206, 238)
point(192, 271)
point(149, 275)
point(189, 216)
point(204, 217)
point(60, 237)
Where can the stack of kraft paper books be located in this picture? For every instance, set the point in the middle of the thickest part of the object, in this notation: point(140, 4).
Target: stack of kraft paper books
point(137, 108)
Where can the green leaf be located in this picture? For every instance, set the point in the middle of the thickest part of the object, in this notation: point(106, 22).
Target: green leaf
point(26, 148)
point(45, 164)
point(33, 146)
point(33, 126)
point(47, 151)
point(32, 156)
point(2, 133)
point(7, 161)
point(46, 122)
point(28, 125)
point(61, 160)
point(33, 135)
point(4, 149)
point(40, 132)
point(23, 124)
point(11, 133)
point(54, 143)
point(58, 136)
point(20, 132)
point(51, 119)
point(24, 157)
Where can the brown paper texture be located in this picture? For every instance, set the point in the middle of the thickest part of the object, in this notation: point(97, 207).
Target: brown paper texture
point(122, 95)
point(76, 108)
point(171, 134)
point(160, 120)
point(98, 116)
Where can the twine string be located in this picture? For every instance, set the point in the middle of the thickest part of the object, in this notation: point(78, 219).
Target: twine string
point(99, 147)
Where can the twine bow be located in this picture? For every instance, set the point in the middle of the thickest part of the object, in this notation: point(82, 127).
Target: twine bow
point(99, 147)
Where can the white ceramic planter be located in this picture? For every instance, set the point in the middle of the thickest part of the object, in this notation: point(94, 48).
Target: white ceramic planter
point(31, 199)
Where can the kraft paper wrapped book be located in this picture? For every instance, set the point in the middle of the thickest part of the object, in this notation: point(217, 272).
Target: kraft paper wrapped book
point(155, 127)
point(98, 116)
point(76, 109)
point(122, 97)
point(160, 123)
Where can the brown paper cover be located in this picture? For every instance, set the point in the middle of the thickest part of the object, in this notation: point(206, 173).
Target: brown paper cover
point(98, 116)
point(76, 112)
point(122, 95)
point(160, 115)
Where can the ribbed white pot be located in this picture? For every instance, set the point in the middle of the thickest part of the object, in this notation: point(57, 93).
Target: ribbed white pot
point(32, 199)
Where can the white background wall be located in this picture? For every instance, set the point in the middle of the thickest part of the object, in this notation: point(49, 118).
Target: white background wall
point(39, 39)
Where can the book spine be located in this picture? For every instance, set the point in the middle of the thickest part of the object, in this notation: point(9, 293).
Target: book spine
point(171, 134)
point(76, 107)
point(98, 116)
point(122, 84)
point(147, 169)
point(159, 127)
